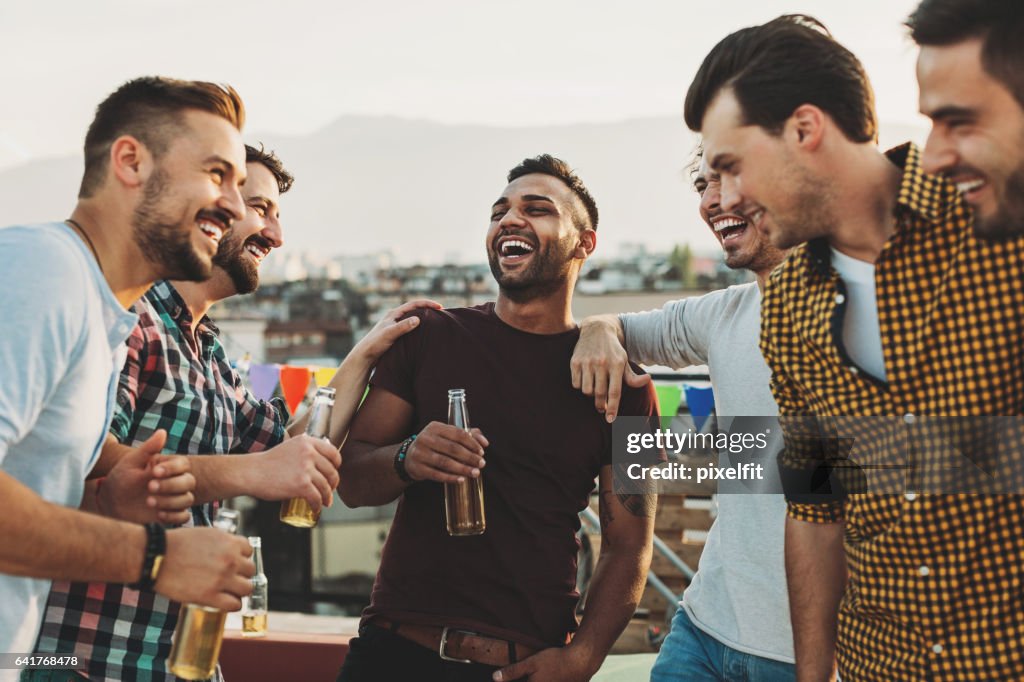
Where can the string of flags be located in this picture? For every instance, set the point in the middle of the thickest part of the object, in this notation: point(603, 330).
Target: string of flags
point(294, 381)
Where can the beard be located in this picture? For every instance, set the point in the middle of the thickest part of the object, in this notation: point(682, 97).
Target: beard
point(244, 274)
point(810, 214)
point(546, 273)
point(1008, 221)
point(162, 239)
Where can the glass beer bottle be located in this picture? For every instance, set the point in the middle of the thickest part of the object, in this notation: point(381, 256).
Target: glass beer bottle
point(254, 607)
point(463, 502)
point(296, 511)
point(200, 630)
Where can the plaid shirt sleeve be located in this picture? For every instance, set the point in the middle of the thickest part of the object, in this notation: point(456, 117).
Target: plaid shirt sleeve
point(132, 376)
point(802, 462)
point(258, 425)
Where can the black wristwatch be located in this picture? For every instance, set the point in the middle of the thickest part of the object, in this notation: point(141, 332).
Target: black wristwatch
point(156, 547)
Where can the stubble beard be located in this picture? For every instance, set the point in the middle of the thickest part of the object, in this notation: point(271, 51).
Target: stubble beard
point(162, 240)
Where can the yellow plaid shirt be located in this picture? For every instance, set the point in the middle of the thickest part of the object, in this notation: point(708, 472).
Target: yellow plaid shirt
point(936, 589)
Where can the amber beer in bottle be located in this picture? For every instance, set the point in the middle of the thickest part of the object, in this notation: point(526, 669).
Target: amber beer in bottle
point(463, 502)
point(200, 630)
point(296, 511)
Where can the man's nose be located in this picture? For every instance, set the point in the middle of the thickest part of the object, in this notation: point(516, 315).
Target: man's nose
point(939, 153)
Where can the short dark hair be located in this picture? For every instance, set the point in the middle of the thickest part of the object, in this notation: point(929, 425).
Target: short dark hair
point(776, 67)
point(999, 23)
point(150, 109)
point(555, 167)
point(272, 163)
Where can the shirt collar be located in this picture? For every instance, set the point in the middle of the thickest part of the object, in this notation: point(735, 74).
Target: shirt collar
point(928, 196)
point(178, 309)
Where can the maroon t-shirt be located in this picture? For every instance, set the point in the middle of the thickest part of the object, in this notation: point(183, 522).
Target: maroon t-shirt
point(547, 445)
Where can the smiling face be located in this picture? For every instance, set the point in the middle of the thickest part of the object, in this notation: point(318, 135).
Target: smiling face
point(977, 137)
point(744, 246)
point(762, 178)
point(249, 241)
point(532, 239)
point(191, 198)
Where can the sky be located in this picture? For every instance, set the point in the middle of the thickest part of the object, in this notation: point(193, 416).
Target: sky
point(301, 65)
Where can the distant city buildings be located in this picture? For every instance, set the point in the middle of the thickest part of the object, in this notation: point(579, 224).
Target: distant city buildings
point(311, 309)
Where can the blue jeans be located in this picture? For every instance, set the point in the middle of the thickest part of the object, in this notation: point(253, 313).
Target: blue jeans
point(690, 654)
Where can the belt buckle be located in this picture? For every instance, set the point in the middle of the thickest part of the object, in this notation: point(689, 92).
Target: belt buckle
point(444, 645)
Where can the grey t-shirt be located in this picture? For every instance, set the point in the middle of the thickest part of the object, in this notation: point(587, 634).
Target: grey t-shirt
point(739, 594)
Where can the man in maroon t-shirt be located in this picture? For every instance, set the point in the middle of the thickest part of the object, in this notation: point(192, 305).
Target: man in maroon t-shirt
point(503, 603)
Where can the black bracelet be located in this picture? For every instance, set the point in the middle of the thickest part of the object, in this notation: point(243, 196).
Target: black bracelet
point(156, 547)
point(403, 449)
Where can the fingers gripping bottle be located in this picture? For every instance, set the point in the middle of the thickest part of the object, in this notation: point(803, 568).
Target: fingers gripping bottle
point(200, 630)
point(463, 502)
point(296, 511)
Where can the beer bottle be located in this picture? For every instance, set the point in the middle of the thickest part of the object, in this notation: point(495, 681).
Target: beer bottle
point(296, 511)
point(463, 502)
point(200, 630)
point(254, 607)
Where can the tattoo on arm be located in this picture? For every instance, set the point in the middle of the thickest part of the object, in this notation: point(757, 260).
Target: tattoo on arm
point(643, 506)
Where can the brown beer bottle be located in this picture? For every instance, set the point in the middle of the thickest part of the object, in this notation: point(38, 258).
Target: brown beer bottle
point(200, 630)
point(296, 511)
point(463, 502)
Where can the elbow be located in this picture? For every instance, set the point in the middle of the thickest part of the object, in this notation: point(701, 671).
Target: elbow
point(349, 494)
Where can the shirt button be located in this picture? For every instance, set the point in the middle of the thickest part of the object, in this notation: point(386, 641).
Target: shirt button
point(937, 648)
point(840, 299)
point(909, 418)
point(924, 570)
point(910, 497)
point(854, 370)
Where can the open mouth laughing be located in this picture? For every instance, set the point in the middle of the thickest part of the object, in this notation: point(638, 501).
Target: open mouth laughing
point(213, 224)
point(257, 247)
point(729, 227)
point(514, 249)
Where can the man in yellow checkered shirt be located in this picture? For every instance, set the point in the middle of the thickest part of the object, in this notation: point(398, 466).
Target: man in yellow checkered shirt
point(890, 313)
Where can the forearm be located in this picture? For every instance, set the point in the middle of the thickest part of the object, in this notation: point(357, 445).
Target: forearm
point(614, 592)
point(368, 476)
point(220, 477)
point(45, 540)
point(816, 572)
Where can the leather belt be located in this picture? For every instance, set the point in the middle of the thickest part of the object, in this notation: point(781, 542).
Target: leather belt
point(461, 646)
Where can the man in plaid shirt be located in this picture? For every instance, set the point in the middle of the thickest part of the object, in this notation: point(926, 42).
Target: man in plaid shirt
point(177, 378)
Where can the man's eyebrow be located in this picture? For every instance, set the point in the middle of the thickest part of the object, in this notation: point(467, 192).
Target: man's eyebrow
point(217, 158)
point(716, 161)
point(500, 202)
point(949, 111)
point(537, 197)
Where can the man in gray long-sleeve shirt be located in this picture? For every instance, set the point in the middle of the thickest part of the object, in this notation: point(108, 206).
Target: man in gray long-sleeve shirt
point(734, 621)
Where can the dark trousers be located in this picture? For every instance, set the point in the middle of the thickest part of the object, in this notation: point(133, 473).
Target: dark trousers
point(379, 655)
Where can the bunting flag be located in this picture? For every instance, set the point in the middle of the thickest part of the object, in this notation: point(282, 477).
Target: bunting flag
point(669, 396)
point(701, 401)
point(263, 380)
point(294, 383)
point(323, 375)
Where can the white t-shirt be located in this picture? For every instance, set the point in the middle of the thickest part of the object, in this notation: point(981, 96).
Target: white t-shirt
point(739, 594)
point(61, 351)
point(861, 336)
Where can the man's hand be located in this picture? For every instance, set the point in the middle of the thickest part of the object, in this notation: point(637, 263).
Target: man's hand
point(445, 454)
point(555, 664)
point(389, 329)
point(145, 486)
point(206, 566)
point(302, 466)
point(599, 364)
